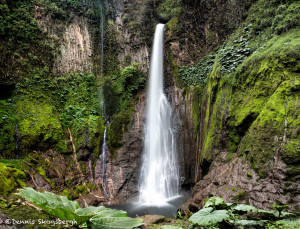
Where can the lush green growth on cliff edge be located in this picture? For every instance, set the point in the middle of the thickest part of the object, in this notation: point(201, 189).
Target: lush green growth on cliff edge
point(25, 49)
point(251, 104)
point(42, 111)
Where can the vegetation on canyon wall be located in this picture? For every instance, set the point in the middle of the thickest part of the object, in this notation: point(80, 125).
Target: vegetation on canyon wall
point(245, 91)
point(42, 110)
point(256, 73)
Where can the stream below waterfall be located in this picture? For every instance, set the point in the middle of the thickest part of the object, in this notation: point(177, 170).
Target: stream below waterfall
point(168, 209)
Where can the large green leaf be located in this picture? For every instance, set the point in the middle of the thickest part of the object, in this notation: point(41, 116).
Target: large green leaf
point(93, 217)
point(170, 227)
point(244, 222)
point(265, 212)
point(244, 208)
point(207, 216)
point(214, 202)
point(113, 219)
point(293, 222)
point(89, 211)
point(58, 206)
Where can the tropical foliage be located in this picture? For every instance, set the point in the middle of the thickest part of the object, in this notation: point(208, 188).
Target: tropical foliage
point(91, 217)
point(218, 214)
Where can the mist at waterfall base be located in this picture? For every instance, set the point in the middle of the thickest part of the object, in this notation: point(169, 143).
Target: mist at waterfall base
point(159, 176)
point(169, 209)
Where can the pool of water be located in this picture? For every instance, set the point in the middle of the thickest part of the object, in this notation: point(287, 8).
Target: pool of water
point(167, 209)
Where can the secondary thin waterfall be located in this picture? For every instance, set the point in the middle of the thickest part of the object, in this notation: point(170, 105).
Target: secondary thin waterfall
point(104, 163)
point(159, 179)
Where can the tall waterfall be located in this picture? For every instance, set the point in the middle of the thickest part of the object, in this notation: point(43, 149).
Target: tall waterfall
point(159, 179)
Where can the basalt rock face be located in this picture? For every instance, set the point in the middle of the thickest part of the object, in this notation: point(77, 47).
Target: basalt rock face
point(237, 182)
point(134, 33)
point(185, 130)
point(74, 52)
point(203, 26)
point(125, 165)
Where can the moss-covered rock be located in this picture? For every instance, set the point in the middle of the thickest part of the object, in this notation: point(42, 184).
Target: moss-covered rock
point(96, 126)
point(265, 107)
point(250, 102)
point(10, 178)
point(8, 128)
point(39, 126)
point(117, 128)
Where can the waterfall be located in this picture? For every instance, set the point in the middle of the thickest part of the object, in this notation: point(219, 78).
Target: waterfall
point(159, 179)
point(104, 163)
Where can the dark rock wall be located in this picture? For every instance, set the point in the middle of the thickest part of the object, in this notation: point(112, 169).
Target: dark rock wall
point(203, 26)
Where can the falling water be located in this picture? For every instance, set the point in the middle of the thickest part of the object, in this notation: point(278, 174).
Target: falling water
point(104, 164)
point(159, 179)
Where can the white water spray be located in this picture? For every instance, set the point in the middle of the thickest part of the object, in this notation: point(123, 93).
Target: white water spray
point(159, 179)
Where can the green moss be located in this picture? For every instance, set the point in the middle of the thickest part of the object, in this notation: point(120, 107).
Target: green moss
point(196, 107)
point(67, 193)
point(241, 196)
point(249, 175)
point(15, 163)
point(96, 126)
point(218, 97)
point(293, 172)
point(117, 128)
point(259, 143)
point(260, 89)
point(175, 70)
point(43, 173)
point(39, 127)
point(10, 178)
point(74, 194)
point(81, 189)
point(8, 128)
point(260, 92)
point(291, 151)
point(91, 187)
point(83, 168)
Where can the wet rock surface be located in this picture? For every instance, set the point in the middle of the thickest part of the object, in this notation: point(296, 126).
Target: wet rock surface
point(75, 50)
point(237, 182)
point(152, 219)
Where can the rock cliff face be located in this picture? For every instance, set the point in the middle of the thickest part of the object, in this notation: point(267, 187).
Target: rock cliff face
point(125, 168)
point(204, 25)
point(245, 142)
point(133, 45)
point(237, 182)
point(75, 43)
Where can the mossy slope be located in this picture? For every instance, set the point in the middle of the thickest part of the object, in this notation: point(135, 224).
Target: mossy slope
point(251, 102)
